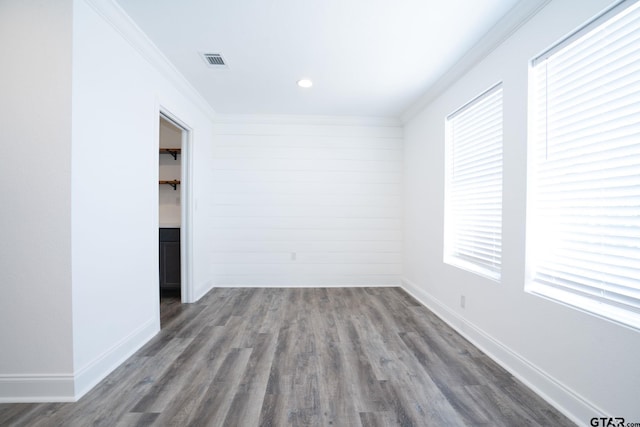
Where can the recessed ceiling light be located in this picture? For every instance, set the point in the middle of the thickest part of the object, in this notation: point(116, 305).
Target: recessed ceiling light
point(305, 83)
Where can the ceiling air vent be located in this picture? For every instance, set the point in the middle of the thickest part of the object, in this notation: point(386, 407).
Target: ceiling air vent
point(214, 60)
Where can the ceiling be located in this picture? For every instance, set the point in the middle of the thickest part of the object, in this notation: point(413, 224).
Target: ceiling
point(365, 57)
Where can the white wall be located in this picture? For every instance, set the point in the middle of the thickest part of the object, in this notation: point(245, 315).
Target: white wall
point(117, 95)
point(35, 199)
point(79, 171)
point(327, 192)
point(586, 365)
point(170, 169)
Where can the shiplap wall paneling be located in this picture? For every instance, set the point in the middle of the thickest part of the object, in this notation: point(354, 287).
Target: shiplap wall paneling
point(306, 205)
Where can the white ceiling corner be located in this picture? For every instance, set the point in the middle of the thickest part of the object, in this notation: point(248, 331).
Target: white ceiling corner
point(367, 58)
point(507, 25)
point(112, 13)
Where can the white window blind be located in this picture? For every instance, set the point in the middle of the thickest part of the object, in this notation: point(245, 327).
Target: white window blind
point(584, 215)
point(473, 193)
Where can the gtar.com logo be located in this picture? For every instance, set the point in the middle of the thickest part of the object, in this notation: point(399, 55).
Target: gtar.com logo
point(607, 422)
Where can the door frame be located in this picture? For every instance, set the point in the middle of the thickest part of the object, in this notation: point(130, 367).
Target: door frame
point(186, 209)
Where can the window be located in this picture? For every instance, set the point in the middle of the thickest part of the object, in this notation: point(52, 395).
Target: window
point(473, 193)
point(584, 187)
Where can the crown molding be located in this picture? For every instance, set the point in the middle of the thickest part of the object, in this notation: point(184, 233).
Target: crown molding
point(113, 14)
point(522, 12)
point(295, 119)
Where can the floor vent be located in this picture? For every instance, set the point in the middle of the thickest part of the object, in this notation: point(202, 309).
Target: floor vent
point(214, 60)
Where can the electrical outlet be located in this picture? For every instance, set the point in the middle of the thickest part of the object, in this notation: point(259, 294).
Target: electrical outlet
point(293, 256)
point(463, 301)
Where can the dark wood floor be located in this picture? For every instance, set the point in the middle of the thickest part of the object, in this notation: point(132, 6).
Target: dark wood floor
point(277, 357)
point(170, 306)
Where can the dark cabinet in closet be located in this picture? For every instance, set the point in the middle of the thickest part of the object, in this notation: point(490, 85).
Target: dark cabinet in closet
point(169, 259)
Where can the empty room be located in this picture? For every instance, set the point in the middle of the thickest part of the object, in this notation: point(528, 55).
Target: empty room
point(338, 212)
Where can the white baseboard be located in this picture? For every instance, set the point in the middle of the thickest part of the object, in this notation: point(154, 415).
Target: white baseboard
point(567, 401)
point(91, 374)
point(202, 290)
point(306, 281)
point(29, 388)
point(36, 388)
point(294, 286)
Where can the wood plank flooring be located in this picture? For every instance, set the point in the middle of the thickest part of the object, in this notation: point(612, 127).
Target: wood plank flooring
point(319, 357)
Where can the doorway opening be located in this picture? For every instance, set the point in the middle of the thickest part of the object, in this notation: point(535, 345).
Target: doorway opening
point(173, 218)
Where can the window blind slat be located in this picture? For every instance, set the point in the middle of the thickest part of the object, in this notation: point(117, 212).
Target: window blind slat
point(585, 198)
point(473, 200)
point(481, 146)
point(575, 47)
point(598, 63)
